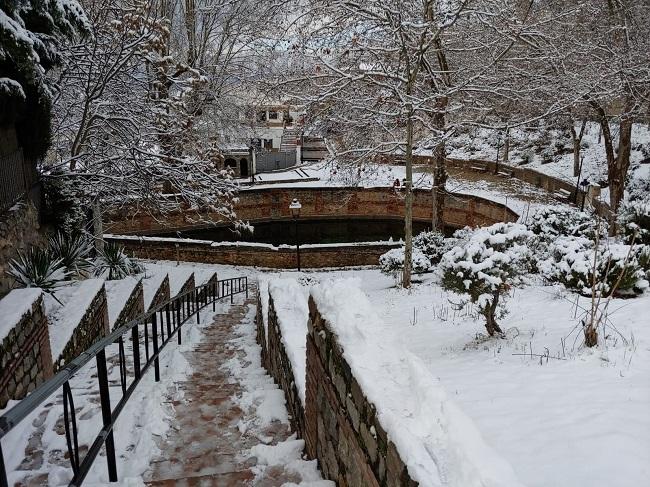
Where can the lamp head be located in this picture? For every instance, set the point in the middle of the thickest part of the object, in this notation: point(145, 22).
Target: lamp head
point(295, 207)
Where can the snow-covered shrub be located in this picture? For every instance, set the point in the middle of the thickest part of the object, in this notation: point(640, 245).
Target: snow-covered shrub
point(487, 266)
point(433, 245)
point(526, 158)
point(64, 204)
point(547, 156)
point(638, 189)
point(550, 222)
point(37, 268)
point(634, 220)
point(392, 262)
point(113, 263)
point(73, 250)
point(580, 266)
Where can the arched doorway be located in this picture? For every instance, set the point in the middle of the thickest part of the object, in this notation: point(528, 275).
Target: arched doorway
point(243, 167)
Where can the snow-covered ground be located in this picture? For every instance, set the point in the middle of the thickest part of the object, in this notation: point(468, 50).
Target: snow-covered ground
point(557, 413)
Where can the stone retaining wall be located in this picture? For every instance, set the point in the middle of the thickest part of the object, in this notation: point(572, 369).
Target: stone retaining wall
point(19, 230)
point(279, 367)
point(93, 326)
point(133, 308)
point(162, 294)
point(528, 175)
point(25, 356)
point(339, 425)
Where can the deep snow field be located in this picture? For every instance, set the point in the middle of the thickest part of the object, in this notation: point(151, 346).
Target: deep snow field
point(563, 416)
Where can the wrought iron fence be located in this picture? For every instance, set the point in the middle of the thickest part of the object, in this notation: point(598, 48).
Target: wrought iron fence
point(148, 335)
point(16, 179)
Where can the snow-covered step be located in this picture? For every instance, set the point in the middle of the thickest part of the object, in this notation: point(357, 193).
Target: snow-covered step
point(506, 173)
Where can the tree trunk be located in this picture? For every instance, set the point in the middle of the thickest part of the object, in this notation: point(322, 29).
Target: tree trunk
point(489, 312)
point(98, 226)
point(577, 140)
point(439, 171)
point(621, 165)
point(506, 146)
point(408, 203)
point(591, 335)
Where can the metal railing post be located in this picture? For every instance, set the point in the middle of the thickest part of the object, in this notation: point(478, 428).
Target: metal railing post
point(105, 400)
point(232, 294)
point(198, 308)
point(169, 324)
point(215, 287)
point(154, 330)
point(246, 285)
point(3, 471)
point(135, 343)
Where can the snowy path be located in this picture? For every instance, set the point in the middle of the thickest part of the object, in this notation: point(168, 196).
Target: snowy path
point(229, 425)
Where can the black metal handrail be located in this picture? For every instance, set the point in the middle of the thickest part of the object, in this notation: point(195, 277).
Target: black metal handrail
point(164, 321)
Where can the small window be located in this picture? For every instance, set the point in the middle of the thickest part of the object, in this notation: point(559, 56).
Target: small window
point(273, 115)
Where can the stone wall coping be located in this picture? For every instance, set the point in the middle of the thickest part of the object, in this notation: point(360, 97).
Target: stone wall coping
point(14, 306)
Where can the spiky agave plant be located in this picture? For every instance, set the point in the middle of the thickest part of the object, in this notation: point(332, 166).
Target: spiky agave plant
point(113, 263)
point(73, 251)
point(38, 268)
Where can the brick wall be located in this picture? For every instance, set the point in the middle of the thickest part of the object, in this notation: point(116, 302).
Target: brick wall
point(133, 308)
point(279, 367)
point(251, 254)
point(25, 356)
point(93, 326)
point(339, 424)
point(273, 204)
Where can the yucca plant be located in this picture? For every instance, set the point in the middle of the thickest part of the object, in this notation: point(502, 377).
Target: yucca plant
point(73, 251)
point(38, 268)
point(113, 263)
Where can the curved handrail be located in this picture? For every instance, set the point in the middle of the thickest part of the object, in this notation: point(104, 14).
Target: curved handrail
point(173, 313)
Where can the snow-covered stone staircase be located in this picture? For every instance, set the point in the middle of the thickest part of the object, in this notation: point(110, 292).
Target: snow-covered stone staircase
point(289, 140)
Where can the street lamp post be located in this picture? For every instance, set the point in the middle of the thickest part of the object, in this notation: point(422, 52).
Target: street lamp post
point(295, 207)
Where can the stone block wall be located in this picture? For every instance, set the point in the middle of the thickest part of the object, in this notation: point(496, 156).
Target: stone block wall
point(93, 326)
point(339, 424)
point(162, 294)
point(19, 230)
point(259, 327)
point(25, 356)
point(279, 367)
point(133, 308)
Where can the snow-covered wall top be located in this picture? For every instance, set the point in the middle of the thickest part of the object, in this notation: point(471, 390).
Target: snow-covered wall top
point(438, 443)
point(66, 319)
point(14, 306)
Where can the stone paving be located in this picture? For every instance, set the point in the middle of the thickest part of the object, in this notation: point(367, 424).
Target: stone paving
point(205, 446)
